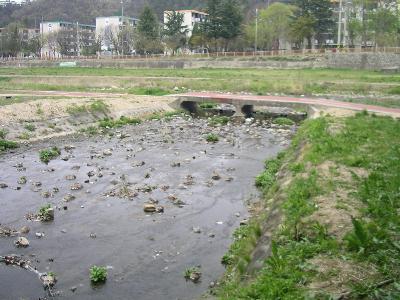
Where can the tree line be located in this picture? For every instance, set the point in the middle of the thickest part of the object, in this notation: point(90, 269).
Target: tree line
point(295, 24)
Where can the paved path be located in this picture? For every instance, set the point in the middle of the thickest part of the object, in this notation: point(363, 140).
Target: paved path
point(319, 102)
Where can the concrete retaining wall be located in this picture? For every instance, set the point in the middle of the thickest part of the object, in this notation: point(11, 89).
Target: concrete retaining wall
point(370, 61)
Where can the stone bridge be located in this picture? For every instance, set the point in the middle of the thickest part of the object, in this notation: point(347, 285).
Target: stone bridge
point(246, 104)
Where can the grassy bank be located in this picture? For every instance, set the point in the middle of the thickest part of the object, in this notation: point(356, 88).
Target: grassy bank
point(338, 192)
point(163, 81)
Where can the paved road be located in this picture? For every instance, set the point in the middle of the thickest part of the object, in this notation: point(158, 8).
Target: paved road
point(319, 102)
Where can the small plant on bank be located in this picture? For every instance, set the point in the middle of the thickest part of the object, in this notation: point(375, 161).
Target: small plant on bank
point(5, 145)
point(212, 138)
point(98, 274)
point(283, 121)
point(3, 133)
point(30, 127)
point(48, 154)
point(76, 109)
point(46, 213)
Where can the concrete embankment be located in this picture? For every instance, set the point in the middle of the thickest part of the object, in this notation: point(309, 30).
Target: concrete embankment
point(370, 61)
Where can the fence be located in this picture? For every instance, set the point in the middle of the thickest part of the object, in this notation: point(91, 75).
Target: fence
point(276, 53)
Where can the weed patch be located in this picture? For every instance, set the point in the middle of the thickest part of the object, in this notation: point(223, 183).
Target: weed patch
point(98, 274)
point(49, 154)
point(212, 138)
point(5, 145)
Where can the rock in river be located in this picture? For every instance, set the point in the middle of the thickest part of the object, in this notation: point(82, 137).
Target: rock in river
point(149, 207)
point(22, 242)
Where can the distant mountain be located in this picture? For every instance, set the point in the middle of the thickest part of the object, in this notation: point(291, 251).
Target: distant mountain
point(86, 11)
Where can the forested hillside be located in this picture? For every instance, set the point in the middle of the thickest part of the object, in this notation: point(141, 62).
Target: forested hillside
point(85, 11)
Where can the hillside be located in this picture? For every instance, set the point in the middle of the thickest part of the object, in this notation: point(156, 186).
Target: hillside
point(85, 11)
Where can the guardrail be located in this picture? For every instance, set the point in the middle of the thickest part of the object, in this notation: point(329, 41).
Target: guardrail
point(275, 53)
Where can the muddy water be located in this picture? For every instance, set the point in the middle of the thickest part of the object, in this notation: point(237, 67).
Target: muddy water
point(146, 254)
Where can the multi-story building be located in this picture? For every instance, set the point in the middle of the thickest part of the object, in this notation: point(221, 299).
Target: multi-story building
point(190, 19)
point(15, 2)
point(108, 31)
point(67, 39)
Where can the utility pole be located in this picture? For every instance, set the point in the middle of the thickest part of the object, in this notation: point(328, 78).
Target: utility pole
point(122, 32)
point(77, 39)
point(339, 40)
point(256, 37)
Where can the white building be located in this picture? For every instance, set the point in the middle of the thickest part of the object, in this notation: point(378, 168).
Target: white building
point(66, 38)
point(108, 28)
point(190, 19)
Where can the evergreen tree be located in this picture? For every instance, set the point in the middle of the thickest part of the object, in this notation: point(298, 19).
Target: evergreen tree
point(174, 31)
point(223, 21)
point(148, 25)
point(320, 11)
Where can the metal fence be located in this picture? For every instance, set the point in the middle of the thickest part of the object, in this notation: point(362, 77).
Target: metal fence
point(248, 54)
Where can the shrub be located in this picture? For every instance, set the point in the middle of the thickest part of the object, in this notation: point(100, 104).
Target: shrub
point(122, 121)
point(48, 154)
point(98, 274)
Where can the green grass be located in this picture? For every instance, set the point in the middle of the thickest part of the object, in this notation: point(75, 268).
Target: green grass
point(47, 155)
point(212, 138)
point(363, 141)
point(150, 91)
point(283, 121)
point(159, 82)
point(122, 121)
point(208, 105)
point(5, 145)
point(95, 107)
point(218, 120)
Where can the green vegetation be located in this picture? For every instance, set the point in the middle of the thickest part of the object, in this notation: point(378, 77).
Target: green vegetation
point(48, 154)
point(218, 120)
point(91, 130)
point(150, 91)
point(356, 255)
point(258, 81)
point(212, 138)
point(94, 107)
point(45, 213)
point(24, 136)
point(189, 272)
point(122, 121)
point(3, 133)
point(5, 145)
point(98, 274)
point(30, 127)
point(283, 121)
point(208, 105)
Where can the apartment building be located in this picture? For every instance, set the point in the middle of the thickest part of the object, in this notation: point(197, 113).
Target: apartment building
point(190, 19)
point(109, 28)
point(67, 39)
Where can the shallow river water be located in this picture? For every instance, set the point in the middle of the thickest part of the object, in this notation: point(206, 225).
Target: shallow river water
point(146, 254)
